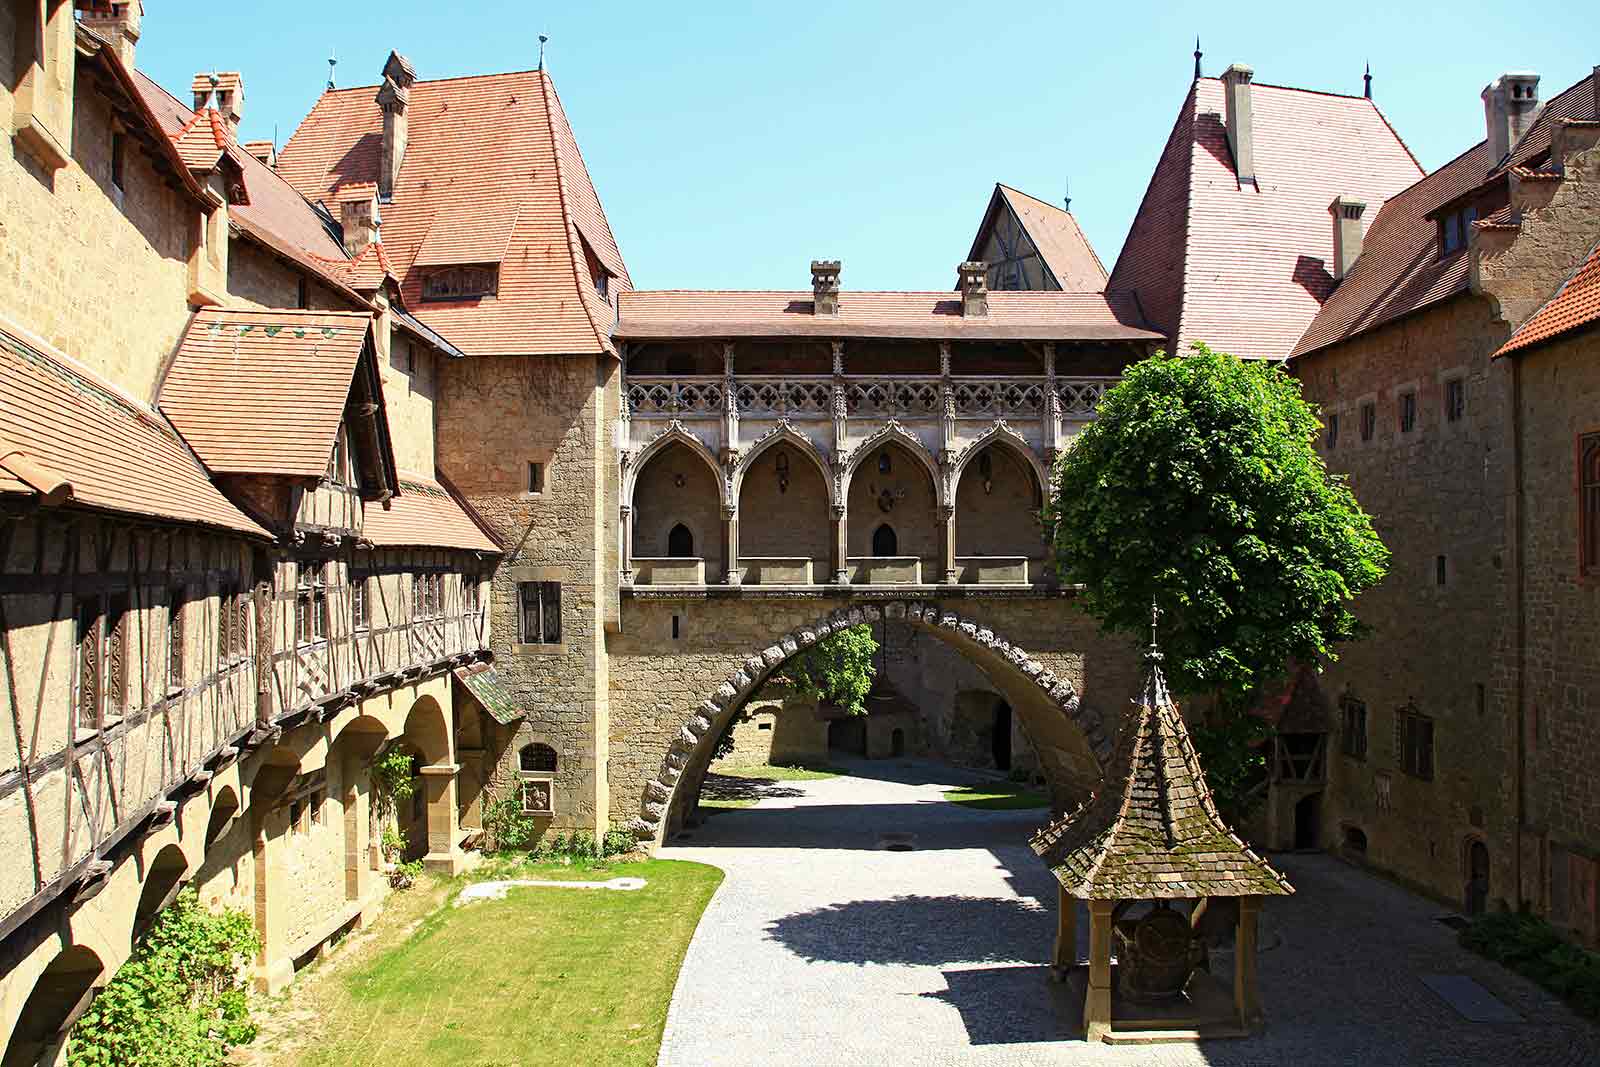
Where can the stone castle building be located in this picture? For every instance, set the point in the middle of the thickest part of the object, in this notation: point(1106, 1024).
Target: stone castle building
point(368, 446)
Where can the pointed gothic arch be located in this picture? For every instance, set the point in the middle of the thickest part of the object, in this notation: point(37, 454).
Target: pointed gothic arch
point(1003, 435)
point(892, 432)
point(675, 433)
point(782, 434)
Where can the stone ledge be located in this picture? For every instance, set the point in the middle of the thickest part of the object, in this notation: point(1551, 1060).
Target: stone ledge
point(850, 592)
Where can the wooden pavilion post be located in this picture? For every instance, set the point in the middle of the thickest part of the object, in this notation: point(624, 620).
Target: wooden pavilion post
point(1066, 950)
point(1246, 995)
point(1097, 996)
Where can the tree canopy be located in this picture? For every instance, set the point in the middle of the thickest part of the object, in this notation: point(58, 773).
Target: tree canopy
point(1198, 489)
point(838, 669)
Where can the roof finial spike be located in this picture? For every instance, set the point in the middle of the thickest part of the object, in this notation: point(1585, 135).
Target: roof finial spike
point(1066, 187)
point(1197, 55)
point(333, 61)
point(544, 39)
point(1153, 654)
point(1367, 78)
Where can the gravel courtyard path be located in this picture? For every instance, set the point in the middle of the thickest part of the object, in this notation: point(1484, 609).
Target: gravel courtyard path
point(823, 946)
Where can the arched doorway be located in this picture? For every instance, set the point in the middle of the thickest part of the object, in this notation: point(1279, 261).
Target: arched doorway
point(1308, 821)
point(680, 542)
point(678, 486)
point(890, 485)
point(1000, 739)
point(897, 742)
point(161, 884)
point(1477, 878)
point(848, 734)
point(884, 541)
point(59, 997)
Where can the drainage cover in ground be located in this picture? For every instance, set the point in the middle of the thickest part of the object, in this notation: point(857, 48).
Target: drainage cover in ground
point(1470, 1000)
point(897, 842)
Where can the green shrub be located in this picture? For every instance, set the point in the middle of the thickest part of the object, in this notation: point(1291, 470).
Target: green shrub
point(405, 875)
point(507, 826)
point(180, 1000)
point(1533, 948)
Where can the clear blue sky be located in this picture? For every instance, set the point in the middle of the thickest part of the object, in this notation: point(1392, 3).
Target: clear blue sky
point(733, 143)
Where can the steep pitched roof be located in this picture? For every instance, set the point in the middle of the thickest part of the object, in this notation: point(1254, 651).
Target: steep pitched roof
point(1400, 269)
point(1575, 305)
point(1061, 244)
point(491, 173)
point(67, 436)
point(669, 313)
point(263, 392)
point(1245, 269)
point(1151, 831)
point(424, 513)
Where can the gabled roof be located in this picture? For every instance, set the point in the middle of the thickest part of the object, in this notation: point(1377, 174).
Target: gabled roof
point(425, 513)
point(1575, 305)
point(1151, 831)
point(1400, 269)
point(67, 436)
point(1042, 316)
point(1576, 103)
point(263, 392)
point(1245, 269)
point(1061, 244)
point(476, 149)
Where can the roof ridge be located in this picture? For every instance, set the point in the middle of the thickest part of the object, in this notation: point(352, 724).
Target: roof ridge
point(546, 87)
point(1402, 141)
point(437, 81)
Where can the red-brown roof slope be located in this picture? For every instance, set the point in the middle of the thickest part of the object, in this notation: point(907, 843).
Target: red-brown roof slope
point(1061, 244)
point(263, 392)
point(1576, 102)
point(1040, 316)
point(425, 513)
point(61, 424)
point(1400, 269)
point(492, 158)
point(1245, 269)
point(1575, 305)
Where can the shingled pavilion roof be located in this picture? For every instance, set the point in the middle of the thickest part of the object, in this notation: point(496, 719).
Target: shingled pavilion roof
point(1151, 831)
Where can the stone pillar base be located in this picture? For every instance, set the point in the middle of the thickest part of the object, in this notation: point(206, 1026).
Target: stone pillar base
point(273, 976)
point(452, 862)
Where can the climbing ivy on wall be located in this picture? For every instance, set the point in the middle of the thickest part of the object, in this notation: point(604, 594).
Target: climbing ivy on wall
point(179, 1000)
point(837, 670)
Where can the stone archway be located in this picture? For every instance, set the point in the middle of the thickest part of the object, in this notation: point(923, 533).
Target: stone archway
point(1047, 705)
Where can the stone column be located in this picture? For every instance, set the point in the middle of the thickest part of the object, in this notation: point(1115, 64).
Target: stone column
point(1097, 995)
point(730, 407)
point(1246, 995)
point(444, 849)
point(841, 545)
point(627, 544)
point(1050, 414)
point(1066, 950)
point(730, 545)
point(947, 519)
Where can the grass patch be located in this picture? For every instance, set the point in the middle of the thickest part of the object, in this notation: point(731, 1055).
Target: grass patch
point(799, 772)
point(544, 976)
point(996, 796)
point(727, 802)
point(1533, 948)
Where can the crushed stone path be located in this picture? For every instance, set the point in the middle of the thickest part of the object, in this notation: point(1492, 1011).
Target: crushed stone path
point(823, 946)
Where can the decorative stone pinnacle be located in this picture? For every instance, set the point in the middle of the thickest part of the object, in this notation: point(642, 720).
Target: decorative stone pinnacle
point(1153, 654)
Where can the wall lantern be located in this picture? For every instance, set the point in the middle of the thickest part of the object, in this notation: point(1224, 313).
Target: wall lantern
point(782, 464)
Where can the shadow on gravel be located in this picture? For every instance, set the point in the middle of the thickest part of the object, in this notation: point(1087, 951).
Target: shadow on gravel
point(728, 787)
point(1004, 1005)
point(931, 931)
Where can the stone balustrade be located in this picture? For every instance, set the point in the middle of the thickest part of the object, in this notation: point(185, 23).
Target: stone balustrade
point(883, 396)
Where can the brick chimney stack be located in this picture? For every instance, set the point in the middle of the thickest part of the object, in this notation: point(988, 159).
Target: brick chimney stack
point(1510, 104)
point(825, 287)
point(393, 97)
point(359, 218)
point(974, 289)
point(117, 22)
point(224, 91)
point(1347, 212)
point(1241, 130)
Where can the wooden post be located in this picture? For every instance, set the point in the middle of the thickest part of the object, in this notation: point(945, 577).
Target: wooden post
point(1246, 996)
point(1066, 950)
point(1097, 996)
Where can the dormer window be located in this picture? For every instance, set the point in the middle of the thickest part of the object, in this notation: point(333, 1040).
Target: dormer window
point(602, 285)
point(461, 283)
point(341, 466)
point(1455, 229)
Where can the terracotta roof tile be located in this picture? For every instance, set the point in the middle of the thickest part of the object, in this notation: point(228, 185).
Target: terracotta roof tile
point(202, 140)
point(469, 233)
point(1024, 315)
point(263, 392)
point(59, 421)
point(1575, 305)
point(1245, 269)
point(1061, 244)
point(425, 513)
point(1576, 102)
point(473, 145)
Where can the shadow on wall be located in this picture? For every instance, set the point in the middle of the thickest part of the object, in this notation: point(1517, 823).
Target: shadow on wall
point(930, 931)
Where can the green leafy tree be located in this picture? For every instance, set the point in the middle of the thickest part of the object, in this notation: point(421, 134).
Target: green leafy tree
point(179, 1000)
point(838, 669)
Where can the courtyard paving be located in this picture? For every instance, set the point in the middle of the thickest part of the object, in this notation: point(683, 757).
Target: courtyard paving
point(822, 946)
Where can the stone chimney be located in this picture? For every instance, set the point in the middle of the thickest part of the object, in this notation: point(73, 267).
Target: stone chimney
point(1510, 104)
point(265, 151)
point(393, 97)
point(974, 289)
point(825, 287)
point(222, 90)
point(358, 216)
point(118, 23)
point(1241, 130)
point(1347, 212)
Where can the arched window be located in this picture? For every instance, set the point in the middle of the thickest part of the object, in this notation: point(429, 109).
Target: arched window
point(884, 541)
point(537, 759)
point(680, 542)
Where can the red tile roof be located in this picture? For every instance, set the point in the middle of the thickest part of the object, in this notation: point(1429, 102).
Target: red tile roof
point(203, 140)
point(1400, 269)
point(1061, 244)
point(59, 423)
point(476, 148)
point(1012, 315)
point(425, 513)
point(1576, 102)
point(263, 392)
point(1575, 305)
point(1245, 269)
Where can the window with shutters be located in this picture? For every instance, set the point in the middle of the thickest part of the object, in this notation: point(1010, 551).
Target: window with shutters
point(177, 607)
point(241, 630)
point(1416, 743)
point(540, 615)
point(310, 605)
point(360, 606)
point(88, 687)
point(116, 656)
point(1353, 712)
point(1369, 420)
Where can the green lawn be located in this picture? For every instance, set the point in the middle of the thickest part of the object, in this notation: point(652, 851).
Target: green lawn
point(796, 773)
point(996, 796)
point(558, 976)
point(740, 787)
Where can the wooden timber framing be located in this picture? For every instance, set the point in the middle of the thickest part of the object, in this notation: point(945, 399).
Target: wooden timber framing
point(138, 657)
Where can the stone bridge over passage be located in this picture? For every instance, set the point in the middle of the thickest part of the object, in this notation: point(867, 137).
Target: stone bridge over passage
point(686, 662)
